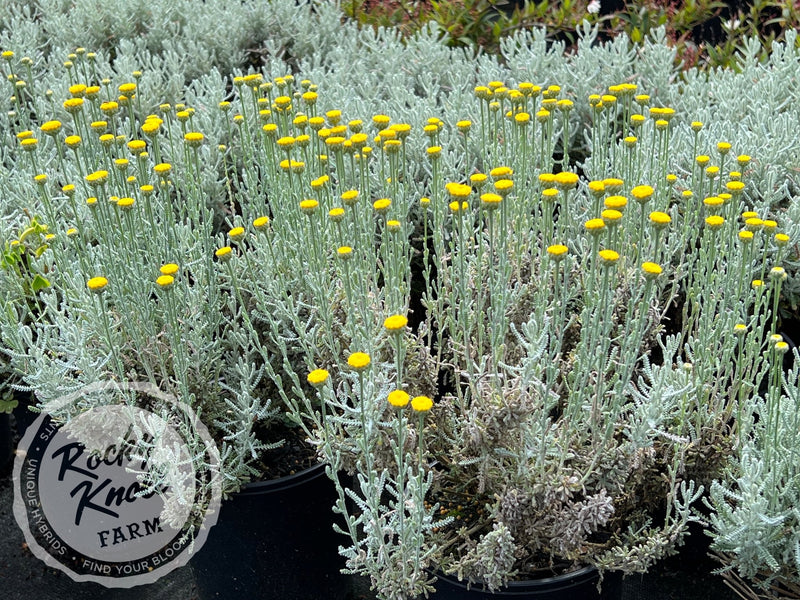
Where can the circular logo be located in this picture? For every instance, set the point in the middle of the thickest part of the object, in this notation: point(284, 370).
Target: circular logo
point(119, 494)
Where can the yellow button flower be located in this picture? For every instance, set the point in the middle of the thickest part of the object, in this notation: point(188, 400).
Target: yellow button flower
point(557, 251)
point(165, 281)
point(136, 147)
point(97, 178)
point(382, 205)
point(615, 202)
point(613, 185)
point(51, 127)
point(398, 398)
point(434, 152)
point(502, 172)
point(224, 253)
point(456, 207)
point(478, 179)
point(97, 284)
point(194, 139)
point(318, 377)
point(422, 403)
point(309, 206)
point(491, 201)
point(458, 190)
point(777, 274)
point(597, 188)
point(74, 105)
point(608, 257)
point(358, 140)
point(566, 180)
point(381, 121)
point(151, 126)
point(283, 102)
point(336, 214)
point(547, 179)
point(642, 193)
point(109, 108)
point(503, 186)
point(651, 269)
point(637, 120)
point(350, 197)
point(162, 169)
point(358, 361)
point(753, 224)
point(395, 323)
point(594, 226)
point(403, 130)
point(660, 219)
point(334, 116)
point(781, 239)
point(735, 187)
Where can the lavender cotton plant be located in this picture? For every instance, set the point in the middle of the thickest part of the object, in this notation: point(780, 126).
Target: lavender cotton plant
point(523, 324)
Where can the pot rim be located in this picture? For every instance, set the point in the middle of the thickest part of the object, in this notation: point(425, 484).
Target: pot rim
point(527, 586)
point(270, 486)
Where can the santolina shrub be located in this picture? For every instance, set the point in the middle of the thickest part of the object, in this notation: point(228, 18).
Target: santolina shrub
point(460, 293)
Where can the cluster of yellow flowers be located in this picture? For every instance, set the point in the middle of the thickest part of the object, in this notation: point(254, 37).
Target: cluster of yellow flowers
point(324, 152)
point(360, 361)
point(522, 101)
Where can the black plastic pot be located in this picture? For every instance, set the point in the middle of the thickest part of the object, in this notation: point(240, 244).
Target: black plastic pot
point(6, 443)
point(576, 585)
point(275, 539)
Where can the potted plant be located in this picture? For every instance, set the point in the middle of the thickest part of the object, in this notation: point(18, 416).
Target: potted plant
point(448, 312)
point(117, 271)
point(568, 428)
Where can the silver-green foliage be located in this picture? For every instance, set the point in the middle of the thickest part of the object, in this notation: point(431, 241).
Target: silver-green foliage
point(554, 403)
point(755, 522)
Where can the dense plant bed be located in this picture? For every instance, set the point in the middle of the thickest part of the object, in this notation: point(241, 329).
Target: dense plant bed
point(533, 314)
